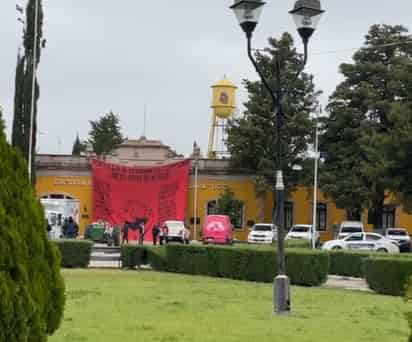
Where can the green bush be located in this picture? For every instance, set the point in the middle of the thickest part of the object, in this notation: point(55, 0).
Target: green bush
point(75, 253)
point(31, 286)
point(308, 268)
point(388, 275)
point(297, 243)
point(347, 263)
point(408, 299)
point(133, 256)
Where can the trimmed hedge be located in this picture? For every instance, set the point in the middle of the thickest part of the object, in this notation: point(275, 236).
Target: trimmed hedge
point(75, 253)
point(307, 268)
point(304, 267)
point(133, 256)
point(388, 275)
point(298, 243)
point(347, 263)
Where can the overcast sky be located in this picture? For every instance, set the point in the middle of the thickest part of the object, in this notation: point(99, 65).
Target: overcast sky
point(102, 56)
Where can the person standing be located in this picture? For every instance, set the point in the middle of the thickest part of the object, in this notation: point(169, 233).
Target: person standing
point(164, 232)
point(125, 232)
point(141, 232)
point(155, 233)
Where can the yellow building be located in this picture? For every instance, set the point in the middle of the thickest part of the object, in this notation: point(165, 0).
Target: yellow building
point(68, 177)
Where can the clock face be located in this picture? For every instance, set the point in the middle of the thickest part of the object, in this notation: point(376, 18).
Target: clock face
point(224, 98)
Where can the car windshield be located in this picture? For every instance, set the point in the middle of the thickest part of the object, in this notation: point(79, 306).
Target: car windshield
point(299, 229)
point(262, 228)
point(351, 230)
point(397, 232)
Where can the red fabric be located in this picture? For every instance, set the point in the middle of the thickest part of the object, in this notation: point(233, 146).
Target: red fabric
point(123, 193)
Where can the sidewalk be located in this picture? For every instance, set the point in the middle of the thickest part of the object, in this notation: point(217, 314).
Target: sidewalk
point(347, 283)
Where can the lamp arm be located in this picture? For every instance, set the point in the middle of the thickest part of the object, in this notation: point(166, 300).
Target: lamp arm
point(262, 77)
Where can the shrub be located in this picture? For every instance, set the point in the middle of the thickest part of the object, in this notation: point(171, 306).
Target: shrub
point(136, 255)
point(347, 264)
point(75, 253)
point(31, 286)
point(309, 268)
point(302, 243)
point(388, 275)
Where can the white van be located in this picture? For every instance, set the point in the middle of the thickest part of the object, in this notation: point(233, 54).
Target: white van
point(349, 227)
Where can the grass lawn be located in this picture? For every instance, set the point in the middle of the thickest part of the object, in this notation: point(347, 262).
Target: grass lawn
point(146, 306)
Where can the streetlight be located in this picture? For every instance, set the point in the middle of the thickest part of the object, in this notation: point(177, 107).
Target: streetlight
point(306, 14)
point(196, 155)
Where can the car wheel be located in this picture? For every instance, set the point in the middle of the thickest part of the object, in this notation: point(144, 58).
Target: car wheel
point(336, 248)
point(382, 250)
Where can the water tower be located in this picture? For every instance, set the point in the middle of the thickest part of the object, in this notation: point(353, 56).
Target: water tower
point(223, 105)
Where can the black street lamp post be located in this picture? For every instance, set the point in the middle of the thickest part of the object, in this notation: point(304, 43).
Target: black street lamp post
point(306, 14)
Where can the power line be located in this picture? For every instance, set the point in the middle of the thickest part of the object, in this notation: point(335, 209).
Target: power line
point(407, 42)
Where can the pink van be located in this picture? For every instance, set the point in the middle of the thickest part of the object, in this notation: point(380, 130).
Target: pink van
point(217, 229)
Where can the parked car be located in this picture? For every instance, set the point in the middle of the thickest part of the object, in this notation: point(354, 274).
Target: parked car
point(401, 237)
point(175, 231)
point(217, 229)
point(364, 242)
point(264, 233)
point(302, 231)
point(350, 227)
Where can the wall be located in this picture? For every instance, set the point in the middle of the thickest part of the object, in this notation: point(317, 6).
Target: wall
point(78, 187)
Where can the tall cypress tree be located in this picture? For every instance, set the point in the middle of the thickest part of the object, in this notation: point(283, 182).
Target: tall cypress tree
point(24, 84)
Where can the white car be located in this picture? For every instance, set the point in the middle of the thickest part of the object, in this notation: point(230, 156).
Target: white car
point(302, 231)
point(401, 237)
point(176, 231)
point(264, 233)
point(363, 242)
point(350, 227)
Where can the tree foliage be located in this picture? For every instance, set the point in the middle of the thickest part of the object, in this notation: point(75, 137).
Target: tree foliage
point(252, 137)
point(105, 134)
point(24, 85)
point(78, 147)
point(31, 286)
point(364, 113)
point(227, 204)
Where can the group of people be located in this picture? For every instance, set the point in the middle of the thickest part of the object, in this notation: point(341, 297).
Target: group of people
point(69, 229)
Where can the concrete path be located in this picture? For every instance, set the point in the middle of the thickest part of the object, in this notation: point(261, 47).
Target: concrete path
point(347, 283)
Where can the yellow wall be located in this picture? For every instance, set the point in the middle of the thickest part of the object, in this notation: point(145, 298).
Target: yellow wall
point(76, 187)
point(210, 189)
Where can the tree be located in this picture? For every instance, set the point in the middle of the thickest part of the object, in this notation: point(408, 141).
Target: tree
point(252, 137)
point(78, 147)
point(24, 85)
point(105, 134)
point(31, 286)
point(358, 171)
point(227, 204)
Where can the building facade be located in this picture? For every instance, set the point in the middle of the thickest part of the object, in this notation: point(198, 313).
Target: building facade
point(61, 177)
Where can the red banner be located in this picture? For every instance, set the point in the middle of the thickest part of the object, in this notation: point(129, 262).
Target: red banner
point(123, 193)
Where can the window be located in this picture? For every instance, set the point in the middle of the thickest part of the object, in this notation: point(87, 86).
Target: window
point(288, 215)
point(355, 237)
point(372, 237)
point(211, 207)
point(388, 217)
point(321, 217)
